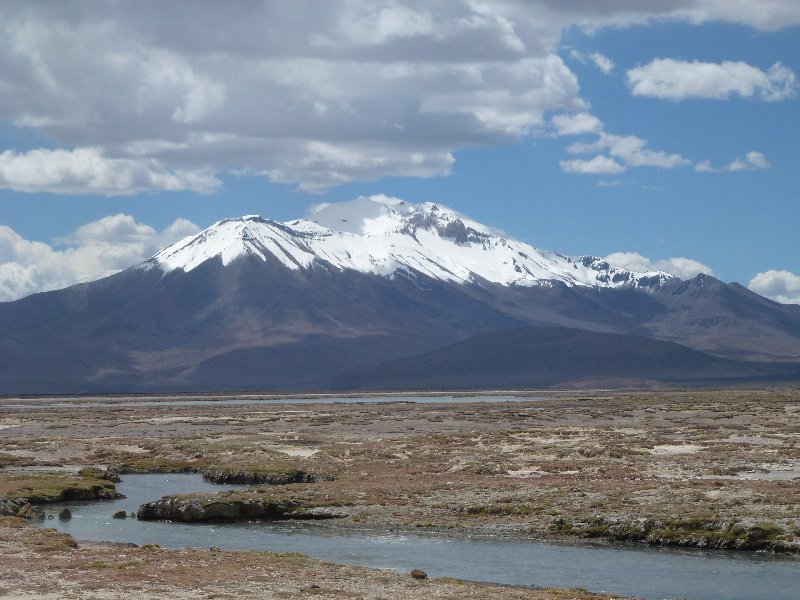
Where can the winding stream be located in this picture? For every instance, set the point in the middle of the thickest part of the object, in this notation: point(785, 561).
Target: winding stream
point(650, 573)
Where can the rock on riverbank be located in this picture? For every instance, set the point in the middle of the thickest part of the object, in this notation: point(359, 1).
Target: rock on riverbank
point(233, 506)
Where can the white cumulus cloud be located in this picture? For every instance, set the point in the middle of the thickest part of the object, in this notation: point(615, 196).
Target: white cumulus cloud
point(682, 267)
point(602, 62)
point(678, 80)
point(630, 149)
point(752, 161)
point(163, 96)
point(86, 170)
point(306, 93)
point(781, 286)
point(599, 165)
point(704, 166)
point(598, 59)
point(767, 15)
point(576, 124)
point(94, 250)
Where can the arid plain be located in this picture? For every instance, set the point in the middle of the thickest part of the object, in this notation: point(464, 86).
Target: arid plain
point(696, 469)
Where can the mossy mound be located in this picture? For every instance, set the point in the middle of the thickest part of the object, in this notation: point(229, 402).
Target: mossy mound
point(260, 475)
point(236, 506)
point(47, 487)
point(696, 532)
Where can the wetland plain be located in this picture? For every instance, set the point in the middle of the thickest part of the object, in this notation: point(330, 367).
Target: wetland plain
point(710, 469)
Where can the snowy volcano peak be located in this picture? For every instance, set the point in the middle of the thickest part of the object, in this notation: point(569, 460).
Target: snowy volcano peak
point(383, 236)
point(385, 215)
point(364, 215)
point(230, 239)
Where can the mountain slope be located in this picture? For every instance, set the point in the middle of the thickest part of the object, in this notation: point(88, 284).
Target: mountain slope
point(142, 330)
point(254, 304)
point(543, 357)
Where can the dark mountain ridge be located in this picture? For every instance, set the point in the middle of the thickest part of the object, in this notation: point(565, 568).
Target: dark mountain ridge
point(256, 326)
point(545, 357)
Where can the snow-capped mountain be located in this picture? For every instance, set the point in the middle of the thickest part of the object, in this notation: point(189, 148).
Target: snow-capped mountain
point(382, 294)
point(386, 236)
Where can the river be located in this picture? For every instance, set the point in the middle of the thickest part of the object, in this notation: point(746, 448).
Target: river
point(84, 403)
point(651, 573)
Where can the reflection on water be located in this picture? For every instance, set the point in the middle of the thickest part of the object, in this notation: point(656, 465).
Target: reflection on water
point(648, 573)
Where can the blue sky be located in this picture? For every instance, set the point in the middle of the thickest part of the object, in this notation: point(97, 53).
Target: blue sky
point(663, 136)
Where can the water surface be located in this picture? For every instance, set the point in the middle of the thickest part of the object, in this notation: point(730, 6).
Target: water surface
point(633, 571)
point(167, 403)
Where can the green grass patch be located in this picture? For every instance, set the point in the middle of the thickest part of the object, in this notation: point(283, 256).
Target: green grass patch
point(159, 465)
point(13, 522)
point(698, 532)
point(46, 487)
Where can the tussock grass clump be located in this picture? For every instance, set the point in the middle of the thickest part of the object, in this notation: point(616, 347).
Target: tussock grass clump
point(47, 487)
point(267, 475)
point(697, 532)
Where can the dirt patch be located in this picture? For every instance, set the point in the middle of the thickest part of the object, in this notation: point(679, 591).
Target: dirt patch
point(674, 449)
point(295, 451)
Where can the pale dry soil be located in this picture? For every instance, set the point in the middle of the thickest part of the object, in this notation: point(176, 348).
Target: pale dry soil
point(536, 469)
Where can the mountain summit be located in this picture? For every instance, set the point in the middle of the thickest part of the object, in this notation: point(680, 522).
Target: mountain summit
point(381, 293)
point(385, 236)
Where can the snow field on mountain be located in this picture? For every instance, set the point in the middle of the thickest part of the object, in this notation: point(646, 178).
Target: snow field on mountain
point(381, 236)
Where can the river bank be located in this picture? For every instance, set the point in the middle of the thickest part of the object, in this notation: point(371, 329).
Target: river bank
point(41, 564)
point(627, 569)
